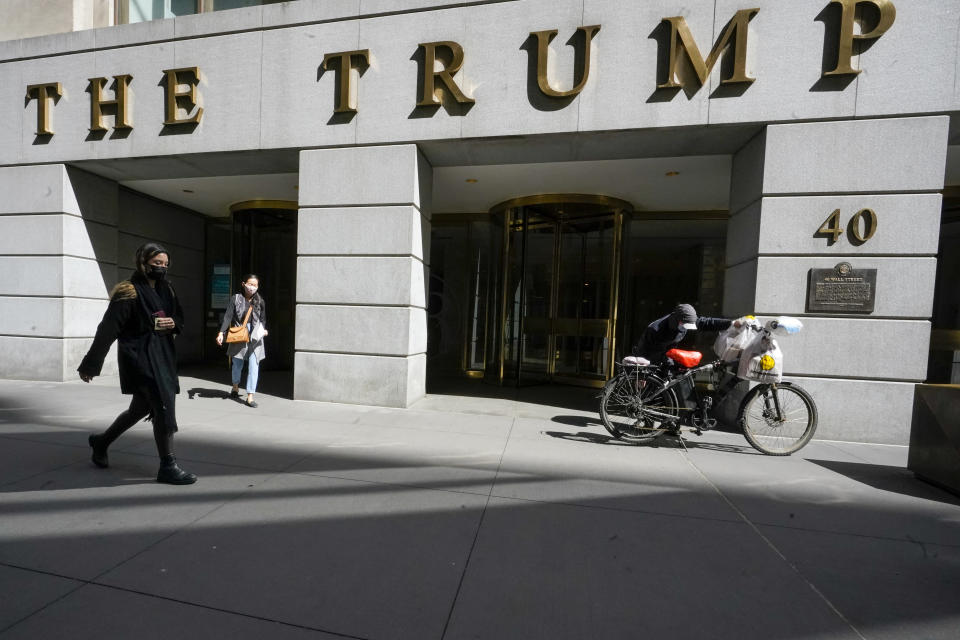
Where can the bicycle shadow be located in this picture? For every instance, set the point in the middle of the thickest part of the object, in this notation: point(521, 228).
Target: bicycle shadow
point(585, 436)
point(674, 443)
point(578, 421)
point(664, 442)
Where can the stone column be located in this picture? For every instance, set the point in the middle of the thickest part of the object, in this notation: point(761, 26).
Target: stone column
point(363, 251)
point(860, 368)
point(58, 261)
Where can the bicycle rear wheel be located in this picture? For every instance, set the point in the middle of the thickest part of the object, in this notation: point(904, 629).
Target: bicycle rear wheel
point(778, 419)
point(638, 409)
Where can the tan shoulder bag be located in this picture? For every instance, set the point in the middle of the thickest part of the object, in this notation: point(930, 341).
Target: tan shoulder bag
point(240, 334)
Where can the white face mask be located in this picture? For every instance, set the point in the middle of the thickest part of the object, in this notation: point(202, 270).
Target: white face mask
point(250, 290)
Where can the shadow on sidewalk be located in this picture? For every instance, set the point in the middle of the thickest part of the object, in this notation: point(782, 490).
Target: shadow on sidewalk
point(547, 394)
point(892, 479)
point(277, 382)
point(380, 540)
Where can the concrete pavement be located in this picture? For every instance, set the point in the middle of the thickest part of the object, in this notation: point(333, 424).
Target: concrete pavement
point(459, 518)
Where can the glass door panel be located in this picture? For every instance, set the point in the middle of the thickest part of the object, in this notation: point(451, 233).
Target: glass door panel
point(537, 296)
point(584, 287)
point(559, 297)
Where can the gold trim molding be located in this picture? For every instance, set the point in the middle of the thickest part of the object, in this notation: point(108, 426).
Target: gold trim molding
point(247, 205)
point(564, 198)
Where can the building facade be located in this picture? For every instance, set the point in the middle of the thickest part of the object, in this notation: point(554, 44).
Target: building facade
point(499, 190)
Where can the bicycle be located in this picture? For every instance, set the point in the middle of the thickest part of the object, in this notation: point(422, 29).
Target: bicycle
point(643, 402)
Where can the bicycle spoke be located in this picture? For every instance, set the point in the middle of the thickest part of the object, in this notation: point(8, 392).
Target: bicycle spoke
point(783, 434)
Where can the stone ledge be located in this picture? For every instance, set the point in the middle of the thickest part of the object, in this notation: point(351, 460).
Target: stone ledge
point(356, 379)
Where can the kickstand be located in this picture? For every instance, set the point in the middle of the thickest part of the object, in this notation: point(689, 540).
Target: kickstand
point(683, 444)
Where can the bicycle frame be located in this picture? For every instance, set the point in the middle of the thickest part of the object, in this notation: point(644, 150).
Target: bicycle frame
point(642, 402)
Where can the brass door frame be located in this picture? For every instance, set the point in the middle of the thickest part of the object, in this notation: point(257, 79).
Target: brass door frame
point(511, 209)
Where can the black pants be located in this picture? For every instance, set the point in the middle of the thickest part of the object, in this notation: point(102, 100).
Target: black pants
point(145, 402)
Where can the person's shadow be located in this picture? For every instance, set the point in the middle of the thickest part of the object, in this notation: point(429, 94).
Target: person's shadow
point(208, 393)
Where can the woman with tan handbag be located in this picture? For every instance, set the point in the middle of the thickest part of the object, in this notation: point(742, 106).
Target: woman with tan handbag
point(244, 323)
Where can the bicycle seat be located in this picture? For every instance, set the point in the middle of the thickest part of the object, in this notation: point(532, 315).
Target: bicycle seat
point(687, 359)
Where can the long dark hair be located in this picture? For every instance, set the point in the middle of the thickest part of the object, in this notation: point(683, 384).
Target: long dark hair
point(146, 252)
point(255, 299)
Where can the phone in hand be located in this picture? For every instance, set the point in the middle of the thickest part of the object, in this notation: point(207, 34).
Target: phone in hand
point(156, 319)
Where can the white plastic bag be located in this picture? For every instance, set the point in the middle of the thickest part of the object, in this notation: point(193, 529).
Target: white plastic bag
point(257, 334)
point(732, 341)
point(761, 360)
point(785, 325)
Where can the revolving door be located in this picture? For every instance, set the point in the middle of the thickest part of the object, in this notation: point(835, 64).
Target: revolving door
point(558, 304)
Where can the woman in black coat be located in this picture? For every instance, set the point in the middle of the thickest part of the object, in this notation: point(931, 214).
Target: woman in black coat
point(144, 316)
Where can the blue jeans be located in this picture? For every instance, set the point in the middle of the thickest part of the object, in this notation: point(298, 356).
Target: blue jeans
point(253, 371)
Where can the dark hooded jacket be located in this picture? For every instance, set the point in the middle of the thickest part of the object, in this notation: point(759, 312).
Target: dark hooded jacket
point(146, 358)
point(664, 334)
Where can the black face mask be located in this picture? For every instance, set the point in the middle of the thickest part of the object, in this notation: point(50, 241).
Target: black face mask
point(156, 273)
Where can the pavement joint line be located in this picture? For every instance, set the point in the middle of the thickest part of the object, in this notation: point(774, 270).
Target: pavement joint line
point(833, 445)
point(93, 582)
point(35, 475)
point(775, 549)
point(866, 444)
point(402, 485)
point(82, 584)
point(178, 530)
point(476, 535)
point(577, 505)
point(907, 539)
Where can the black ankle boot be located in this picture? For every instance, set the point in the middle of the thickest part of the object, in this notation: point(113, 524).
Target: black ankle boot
point(171, 473)
point(99, 456)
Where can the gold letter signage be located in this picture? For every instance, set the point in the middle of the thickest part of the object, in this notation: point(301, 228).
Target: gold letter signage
point(189, 76)
point(428, 95)
point(888, 14)
point(43, 92)
point(443, 59)
point(680, 37)
point(543, 53)
point(831, 229)
point(345, 101)
point(120, 119)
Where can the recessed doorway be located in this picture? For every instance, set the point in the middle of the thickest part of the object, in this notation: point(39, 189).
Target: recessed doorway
point(555, 288)
point(559, 299)
point(265, 243)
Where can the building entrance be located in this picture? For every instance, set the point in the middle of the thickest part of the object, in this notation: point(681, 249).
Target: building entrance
point(264, 241)
point(555, 288)
point(559, 300)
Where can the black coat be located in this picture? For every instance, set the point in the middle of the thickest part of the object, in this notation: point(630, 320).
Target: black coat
point(128, 323)
point(661, 335)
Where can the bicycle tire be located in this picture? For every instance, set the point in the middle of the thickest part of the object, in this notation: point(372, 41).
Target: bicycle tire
point(622, 408)
point(774, 437)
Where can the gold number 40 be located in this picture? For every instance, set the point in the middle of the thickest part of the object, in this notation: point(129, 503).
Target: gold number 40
point(831, 229)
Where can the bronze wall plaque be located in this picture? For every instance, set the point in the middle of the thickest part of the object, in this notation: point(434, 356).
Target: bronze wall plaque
point(842, 289)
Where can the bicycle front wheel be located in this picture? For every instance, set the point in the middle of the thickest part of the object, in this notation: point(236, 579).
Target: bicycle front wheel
point(778, 419)
point(638, 410)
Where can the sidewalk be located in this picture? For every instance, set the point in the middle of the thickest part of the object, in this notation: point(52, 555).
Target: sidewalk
point(459, 518)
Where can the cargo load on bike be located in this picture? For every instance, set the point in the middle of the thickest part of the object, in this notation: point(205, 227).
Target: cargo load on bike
point(645, 400)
